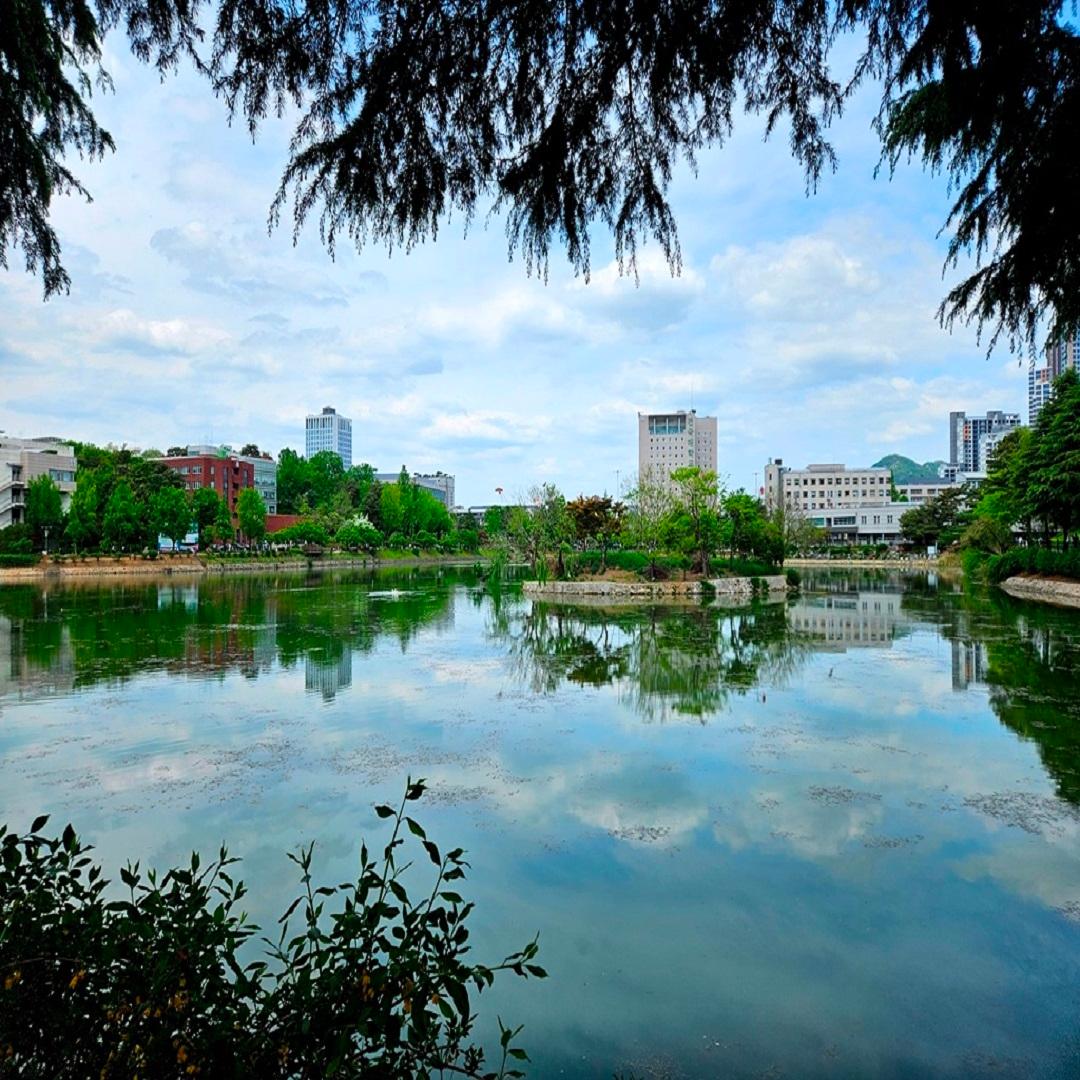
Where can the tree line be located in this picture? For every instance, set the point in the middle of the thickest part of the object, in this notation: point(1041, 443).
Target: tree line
point(1031, 494)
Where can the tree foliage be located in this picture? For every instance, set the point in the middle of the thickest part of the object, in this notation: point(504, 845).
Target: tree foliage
point(564, 117)
point(44, 510)
point(161, 977)
point(171, 511)
point(251, 515)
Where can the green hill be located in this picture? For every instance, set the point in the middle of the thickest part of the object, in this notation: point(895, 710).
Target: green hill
point(906, 471)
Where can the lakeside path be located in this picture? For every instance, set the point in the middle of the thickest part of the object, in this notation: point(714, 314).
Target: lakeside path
point(107, 567)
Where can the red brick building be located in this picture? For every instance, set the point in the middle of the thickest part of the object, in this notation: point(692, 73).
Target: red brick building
point(228, 476)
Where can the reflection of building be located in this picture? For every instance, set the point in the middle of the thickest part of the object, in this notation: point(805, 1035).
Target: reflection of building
point(31, 669)
point(23, 461)
point(968, 663)
point(329, 430)
point(328, 675)
point(669, 441)
point(840, 620)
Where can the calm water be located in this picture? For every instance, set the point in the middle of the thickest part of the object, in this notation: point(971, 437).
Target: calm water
point(830, 837)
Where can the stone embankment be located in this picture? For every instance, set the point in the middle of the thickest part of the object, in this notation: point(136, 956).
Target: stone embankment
point(167, 566)
point(736, 588)
point(1047, 590)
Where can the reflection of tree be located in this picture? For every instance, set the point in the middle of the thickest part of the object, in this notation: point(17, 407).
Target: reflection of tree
point(215, 626)
point(1029, 657)
point(665, 660)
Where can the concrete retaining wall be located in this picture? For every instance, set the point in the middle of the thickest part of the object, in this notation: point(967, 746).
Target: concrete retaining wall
point(730, 587)
point(1058, 591)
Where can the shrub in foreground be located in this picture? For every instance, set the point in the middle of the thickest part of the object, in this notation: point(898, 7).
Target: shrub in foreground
point(1034, 560)
point(359, 980)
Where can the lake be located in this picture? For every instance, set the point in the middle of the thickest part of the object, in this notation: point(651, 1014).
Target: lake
point(832, 836)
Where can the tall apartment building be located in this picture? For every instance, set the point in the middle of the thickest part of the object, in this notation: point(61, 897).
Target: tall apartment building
point(669, 441)
point(24, 460)
point(329, 430)
point(824, 487)
point(227, 474)
point(969, 446)
point(1059, 358)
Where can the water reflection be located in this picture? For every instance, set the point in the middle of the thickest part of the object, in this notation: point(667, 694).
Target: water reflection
point(54, 640)
point(791, 838)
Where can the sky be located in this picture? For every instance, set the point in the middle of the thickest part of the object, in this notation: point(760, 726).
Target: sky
point(805, 324)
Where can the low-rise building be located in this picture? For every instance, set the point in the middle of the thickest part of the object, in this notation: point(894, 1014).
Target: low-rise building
point(439, 484)
point(227, 474)
point(823, 487)
point(923, 491)
point(871, 524)
point(21, 462)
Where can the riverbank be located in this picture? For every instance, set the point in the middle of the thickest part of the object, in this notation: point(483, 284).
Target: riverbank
point(1062, 592)
point(738, 588)
point(168, 565)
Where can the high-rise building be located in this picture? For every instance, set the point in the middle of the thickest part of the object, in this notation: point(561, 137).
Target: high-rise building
point(24, 460)
point(329, 430)
point(1059, 358)
point(973, 438)
point(669, 441)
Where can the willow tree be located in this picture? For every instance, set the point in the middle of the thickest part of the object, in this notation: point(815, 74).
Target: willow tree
point(564, 117)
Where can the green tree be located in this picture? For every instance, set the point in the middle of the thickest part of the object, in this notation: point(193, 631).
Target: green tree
point(250, 450)
point(83, 528)
point(578, 118)
point(696, 517)
point(123, 526)
point(251, 513)
point(171, 513)
point(293, 481)
point(597, 520)
point(44, 511)
point(940, 521)
point(206, 508)
point(495, 521)
point(223, 531)
point(1053, 480)
point(326, 477)
point(650, 505)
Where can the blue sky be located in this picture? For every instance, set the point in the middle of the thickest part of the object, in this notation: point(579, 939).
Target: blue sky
point(805, 324)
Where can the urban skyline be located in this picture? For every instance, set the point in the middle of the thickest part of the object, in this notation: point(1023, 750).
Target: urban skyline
point(787, 309)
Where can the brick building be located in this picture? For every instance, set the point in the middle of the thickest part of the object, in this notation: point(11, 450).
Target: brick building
point(228, 474)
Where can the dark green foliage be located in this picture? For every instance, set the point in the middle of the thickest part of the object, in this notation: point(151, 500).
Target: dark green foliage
point(44, 510)
point(153, 978)
point(940, 521)
point(123, 527)
point(251, 514)
point(358, 536)
point(303, 532)
point(16, 540)
point(568, 116)
point(171, 512)
point(1034, 560)
point(9, 558)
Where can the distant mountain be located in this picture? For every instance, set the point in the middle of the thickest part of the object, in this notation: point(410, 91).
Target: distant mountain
point(906, 471)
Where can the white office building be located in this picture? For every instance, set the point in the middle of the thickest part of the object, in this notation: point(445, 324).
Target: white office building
point(23, 461)
point(439, 484)
point(669, 441)
point(329, 430)
point(823, 487)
